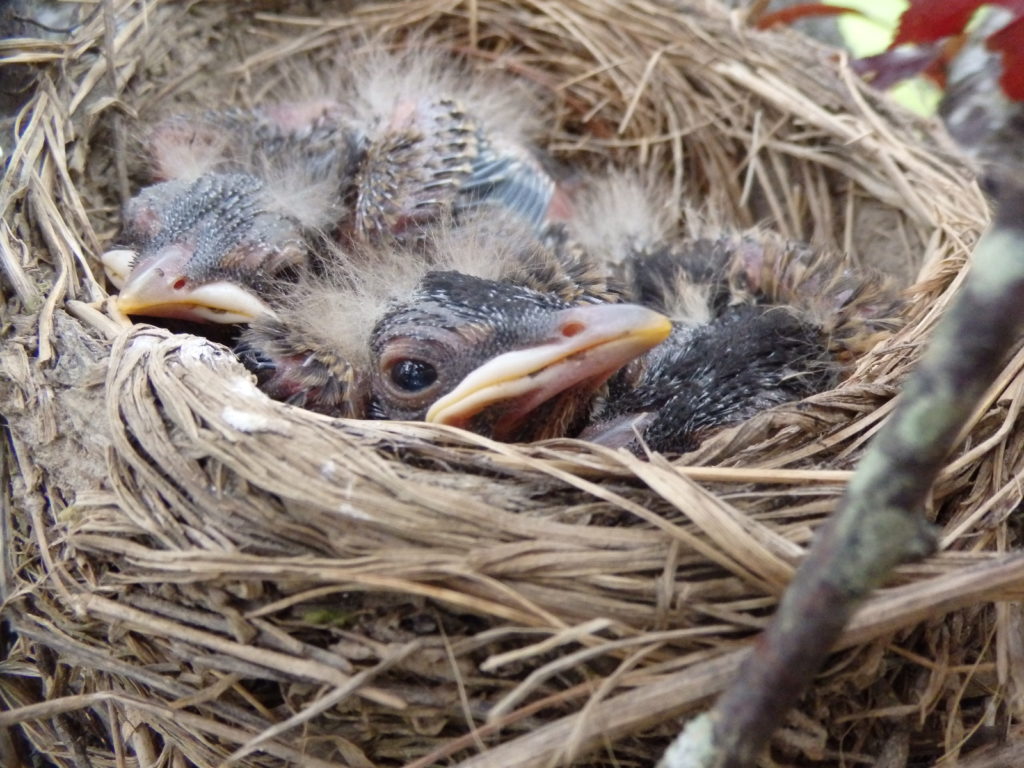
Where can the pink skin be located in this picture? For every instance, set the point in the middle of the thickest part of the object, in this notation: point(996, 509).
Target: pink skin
point(294, 116)
point(561, 208)
point(184, 145)
point(180, 147)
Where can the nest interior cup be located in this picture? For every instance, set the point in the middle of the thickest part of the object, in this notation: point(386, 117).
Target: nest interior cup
point(192, 571)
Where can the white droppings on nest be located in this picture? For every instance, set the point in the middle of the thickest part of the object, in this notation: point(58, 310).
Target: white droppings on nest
point(196, 350)
point(328, 468)
point(244, 386)
point(349, 511)
point(345, 507)
point(247, 421)
point(144, 341)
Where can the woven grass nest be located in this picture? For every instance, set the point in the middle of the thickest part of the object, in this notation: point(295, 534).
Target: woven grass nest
point(192, 571)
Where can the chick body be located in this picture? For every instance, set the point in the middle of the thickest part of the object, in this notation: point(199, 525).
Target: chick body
point(441, 140)
point(779, 321)
point(758, 321)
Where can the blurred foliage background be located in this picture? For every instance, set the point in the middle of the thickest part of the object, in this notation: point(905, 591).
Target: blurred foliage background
point(871, 33)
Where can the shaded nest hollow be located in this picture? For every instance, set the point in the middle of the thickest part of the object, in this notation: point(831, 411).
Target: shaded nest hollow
point(193, 571)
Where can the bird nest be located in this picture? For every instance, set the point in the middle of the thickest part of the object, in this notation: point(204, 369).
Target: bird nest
point(194, 573)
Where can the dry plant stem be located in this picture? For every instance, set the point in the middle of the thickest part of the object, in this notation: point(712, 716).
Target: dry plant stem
point(879, 523)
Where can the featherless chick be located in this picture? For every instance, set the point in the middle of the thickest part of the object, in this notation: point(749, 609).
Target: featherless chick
point(758, 321)
point(240, 198)
point(495, 333)
point(442, 139)
point(372, 152)
point(784, 319)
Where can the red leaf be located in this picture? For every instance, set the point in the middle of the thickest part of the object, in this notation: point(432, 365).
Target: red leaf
point(802, 11)
point(928, 20)
point(1010, 42)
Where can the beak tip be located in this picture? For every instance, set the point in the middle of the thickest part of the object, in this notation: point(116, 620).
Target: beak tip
point(117, 265)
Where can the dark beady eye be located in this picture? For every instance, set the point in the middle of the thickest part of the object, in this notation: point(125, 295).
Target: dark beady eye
point(413, 375)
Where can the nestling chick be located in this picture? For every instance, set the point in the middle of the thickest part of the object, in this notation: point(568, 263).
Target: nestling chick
point(782, 319)
point(441, 139)
point(401, 141)
point(475, 339)
point(757, 321)
point(204, 243)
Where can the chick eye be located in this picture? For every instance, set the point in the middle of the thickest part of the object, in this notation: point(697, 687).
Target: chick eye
point(413, 375)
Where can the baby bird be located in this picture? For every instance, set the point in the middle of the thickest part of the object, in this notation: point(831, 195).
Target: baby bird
point(710, 376)
point(441, 140)
point(783, 318)
point(226, 218)
point(757, 322)
point(401, 141)
point(496, 336)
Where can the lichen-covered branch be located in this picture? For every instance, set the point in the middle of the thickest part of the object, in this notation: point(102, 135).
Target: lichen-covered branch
point(879, 523)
